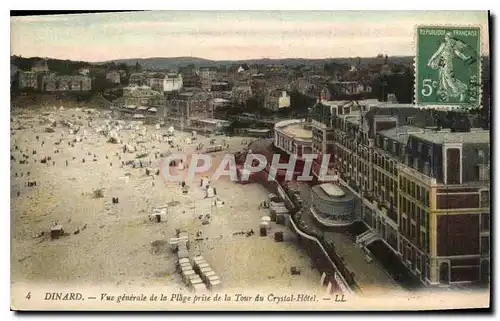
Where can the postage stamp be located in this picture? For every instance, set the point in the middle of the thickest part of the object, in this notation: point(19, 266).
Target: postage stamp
point(448, 66)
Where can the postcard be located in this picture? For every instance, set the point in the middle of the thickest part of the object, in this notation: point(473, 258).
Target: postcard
point(250, 160)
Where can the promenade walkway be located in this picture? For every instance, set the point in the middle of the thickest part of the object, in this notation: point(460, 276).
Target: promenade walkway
point(371, 277)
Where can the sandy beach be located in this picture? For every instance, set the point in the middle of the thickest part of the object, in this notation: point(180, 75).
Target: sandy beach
point(109, 243)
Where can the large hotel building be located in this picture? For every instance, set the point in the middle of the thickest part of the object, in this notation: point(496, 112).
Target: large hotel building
point(425, 190)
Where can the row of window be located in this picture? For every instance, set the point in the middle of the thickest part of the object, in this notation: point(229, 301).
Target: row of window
point(414, 211)
point(417, 261)
point(414, 190)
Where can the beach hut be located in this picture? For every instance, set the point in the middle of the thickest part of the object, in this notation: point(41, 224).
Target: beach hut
point(197, 258)
point(195, 279)
point(200, 266)
point(199, 288)
point(205, 270)
point(206, 275)
point(214, 283)
point(187, 275)
point(264, 226)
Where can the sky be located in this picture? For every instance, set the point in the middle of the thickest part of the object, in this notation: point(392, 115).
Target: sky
point(229, 35)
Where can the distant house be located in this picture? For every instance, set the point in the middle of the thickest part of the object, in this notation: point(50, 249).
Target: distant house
point(219, 86)
point(189, 76)
point(207, 75)
point(142, 96)
point(123, 73)
point(335, 89)
point(28, 79)
point(84, 72)
point(189, 104)
point(301, 85)
point(40, 66)
point(241, 93)
point(113, 76)
point(277, 99)
point(155, 80)
point(243, 68)
point(172, 82)
point(56, 83)
point(137, 79)
point(13, 72)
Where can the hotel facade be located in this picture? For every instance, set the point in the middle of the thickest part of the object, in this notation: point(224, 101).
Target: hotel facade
point(425, 191)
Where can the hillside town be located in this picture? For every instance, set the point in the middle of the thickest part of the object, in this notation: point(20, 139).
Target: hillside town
point(406, 207)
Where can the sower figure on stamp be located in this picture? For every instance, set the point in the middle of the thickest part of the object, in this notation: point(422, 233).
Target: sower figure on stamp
point(449, 86)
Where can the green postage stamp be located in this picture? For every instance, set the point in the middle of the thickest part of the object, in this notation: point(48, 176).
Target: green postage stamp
point(448, 66)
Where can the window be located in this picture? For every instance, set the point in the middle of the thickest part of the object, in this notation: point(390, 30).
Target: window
point(485, 198)
point(427, 169)
point(415, 163)
point(413, 230)
point(485, 222)
point(409, 120)
point(423, 241)
point(385, 143)
point(419, 147)
point(483, 172)
point(423, 219)
point(485, 245)
point(480, 153)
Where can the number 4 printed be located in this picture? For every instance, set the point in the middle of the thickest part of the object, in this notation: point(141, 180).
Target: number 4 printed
point(28, 296)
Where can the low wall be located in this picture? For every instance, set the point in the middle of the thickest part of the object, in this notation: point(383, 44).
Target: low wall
point(320, 256)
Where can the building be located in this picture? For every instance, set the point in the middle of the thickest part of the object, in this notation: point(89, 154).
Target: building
point(142, 96)
point(113, 76)
point(187, 105)
point(220, 86)
point(137, 79)
point(335, 89)
point(172, 82)
point(14, 72)
point(240, 93)
point(220, 103)
point(333, 205)
point(190, 77)
point(301, 85)
point(211, 125)
point(84, 72)
point(293, 136)
point(40, 67)
point(425, 191)
point(277, 99)
point(207, 75)
point(58, 83)
point(155, 80)
point(28, 79)
point(444, 206)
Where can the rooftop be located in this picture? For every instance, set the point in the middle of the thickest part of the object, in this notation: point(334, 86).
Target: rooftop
point(401, 133)
point(295, 128)
point(213, 121)
point(460, 137)
point(332, 190)
point(298, 131)
point(332, 193)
